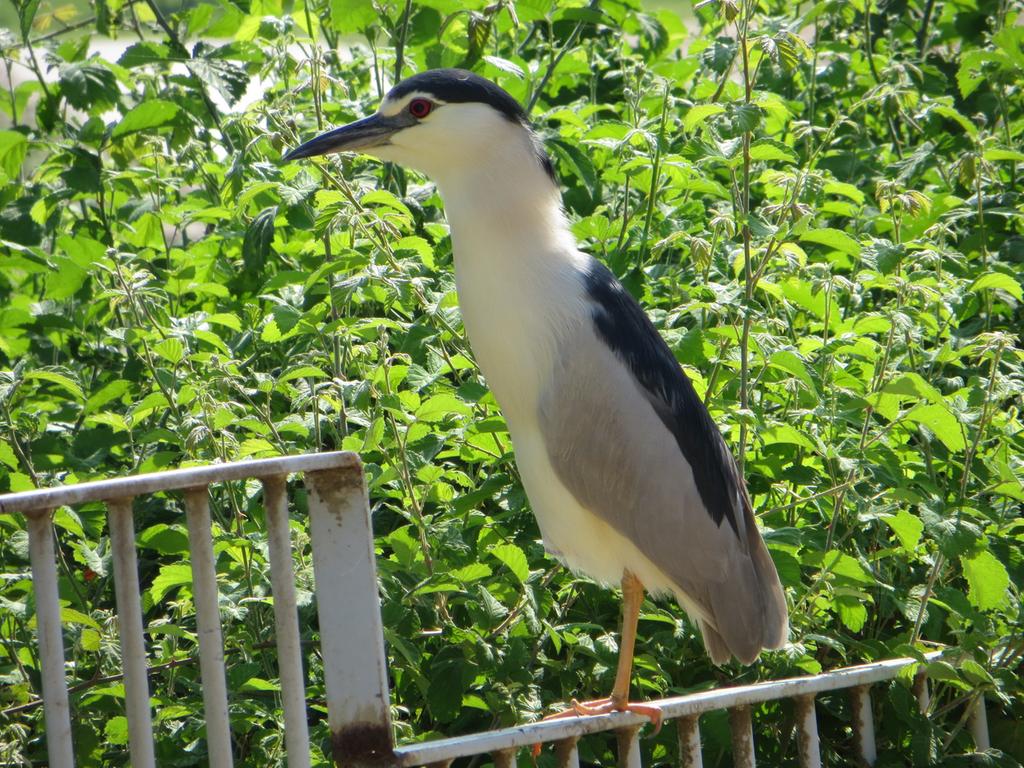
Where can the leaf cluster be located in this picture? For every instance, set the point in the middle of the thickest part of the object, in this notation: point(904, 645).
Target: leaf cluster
point(819, 205)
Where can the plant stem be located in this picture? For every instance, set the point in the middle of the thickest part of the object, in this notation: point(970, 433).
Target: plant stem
point(400, 42)
point(655, 175)
point(748, 267)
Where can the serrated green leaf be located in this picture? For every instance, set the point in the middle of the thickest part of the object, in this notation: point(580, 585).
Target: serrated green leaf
point(115, 421)
point(259, 684)
point(852, 611)
point(171, 576)
point(996, 154)
point(699, 113)
point(941, 421)
point(116, 730)
point(471, 572)
point(302, 372)
point(71, 616)
point(90, 640)
point(844, 189)
point(150, 114)
point(26, 15)
point(227, 319)
point(165, 539)
point(171, 350)
point(913, 385)
point(259, 237)
point(7, 455)
point(998, 281)
point(348, 16)
point(13, 148)
point(907, 527)
point(514, 559)
point(987, 580)
point(771, 150)
point(792, 363)
point(785, 433)
point(832, 238)
point(112, 390)
point(439, 407)
point(418, 246)
point(63, 381)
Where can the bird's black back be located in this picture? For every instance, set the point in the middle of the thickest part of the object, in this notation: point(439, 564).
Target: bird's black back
point(625, 327)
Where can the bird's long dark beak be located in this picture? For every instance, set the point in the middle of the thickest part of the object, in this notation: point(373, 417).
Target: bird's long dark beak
point(372, 131)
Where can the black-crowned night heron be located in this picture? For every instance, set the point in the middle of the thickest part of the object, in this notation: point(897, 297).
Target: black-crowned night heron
point(628, 476)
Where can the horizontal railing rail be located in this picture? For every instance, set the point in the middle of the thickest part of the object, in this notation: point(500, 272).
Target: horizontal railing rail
point(686, 710)
point(351, 637)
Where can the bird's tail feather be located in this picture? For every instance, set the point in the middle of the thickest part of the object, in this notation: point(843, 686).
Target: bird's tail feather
point(714, 644)
point(747, 612)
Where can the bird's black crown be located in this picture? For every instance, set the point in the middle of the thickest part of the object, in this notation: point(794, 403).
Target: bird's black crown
point(456, 86)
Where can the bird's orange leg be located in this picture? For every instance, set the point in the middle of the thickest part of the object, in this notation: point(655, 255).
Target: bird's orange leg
point(632, 598)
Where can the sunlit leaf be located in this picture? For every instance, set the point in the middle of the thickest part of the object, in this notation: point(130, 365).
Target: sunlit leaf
point(513, 558)
point(987, 580)
point(147, 116)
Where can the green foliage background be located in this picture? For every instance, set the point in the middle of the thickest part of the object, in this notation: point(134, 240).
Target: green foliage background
point(818, 203)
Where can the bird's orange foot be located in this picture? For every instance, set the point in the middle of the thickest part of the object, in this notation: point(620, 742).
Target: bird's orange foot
point(603, 707)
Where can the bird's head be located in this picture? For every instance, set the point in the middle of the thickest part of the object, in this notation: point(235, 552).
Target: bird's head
point(444, 122)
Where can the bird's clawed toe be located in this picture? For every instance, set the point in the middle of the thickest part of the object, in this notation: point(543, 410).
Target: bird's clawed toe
point(604, 707)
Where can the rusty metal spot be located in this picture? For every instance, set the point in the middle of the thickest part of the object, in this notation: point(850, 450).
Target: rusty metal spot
point(340, 480)
point(863, 723)
point(363, 743)
point(626, 738)
point(688, 730)
point(504, 758)
point(564, 752)
point(921, 693)
point(742, 736)
point(807, 731)
point(334, 485)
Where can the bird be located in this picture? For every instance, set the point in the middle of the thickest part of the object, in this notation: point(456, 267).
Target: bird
point(628, 476)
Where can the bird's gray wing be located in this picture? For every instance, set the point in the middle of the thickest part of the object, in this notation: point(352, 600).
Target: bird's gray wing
point(630, 439)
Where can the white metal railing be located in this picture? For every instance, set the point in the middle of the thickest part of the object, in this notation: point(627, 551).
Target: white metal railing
point(351, 637)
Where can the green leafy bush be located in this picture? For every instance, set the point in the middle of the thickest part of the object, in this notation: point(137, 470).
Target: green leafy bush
point(819, 206)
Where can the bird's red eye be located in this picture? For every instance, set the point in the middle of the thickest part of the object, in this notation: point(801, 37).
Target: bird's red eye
point(420, 108)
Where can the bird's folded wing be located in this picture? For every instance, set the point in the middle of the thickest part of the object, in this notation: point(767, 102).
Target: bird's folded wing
point(616, 438)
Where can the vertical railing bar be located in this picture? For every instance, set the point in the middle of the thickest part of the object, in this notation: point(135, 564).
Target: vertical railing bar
point(978, 723)
point(567, 754)
point(863, 724)
point(920, 688)
point(807, 732)
point(211, 647)
point(688, 730)
point(286, 622)
point(504, 758)
point(629, 747)
point(51, 641)
point(130, 629)
point(742, 737)
point(348, 607)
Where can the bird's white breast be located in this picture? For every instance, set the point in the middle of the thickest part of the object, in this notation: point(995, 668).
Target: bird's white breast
point(522, 297)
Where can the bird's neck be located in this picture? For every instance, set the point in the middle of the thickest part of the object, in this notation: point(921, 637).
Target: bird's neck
point(527, 217)
point(518, 273)
point(506, 207)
